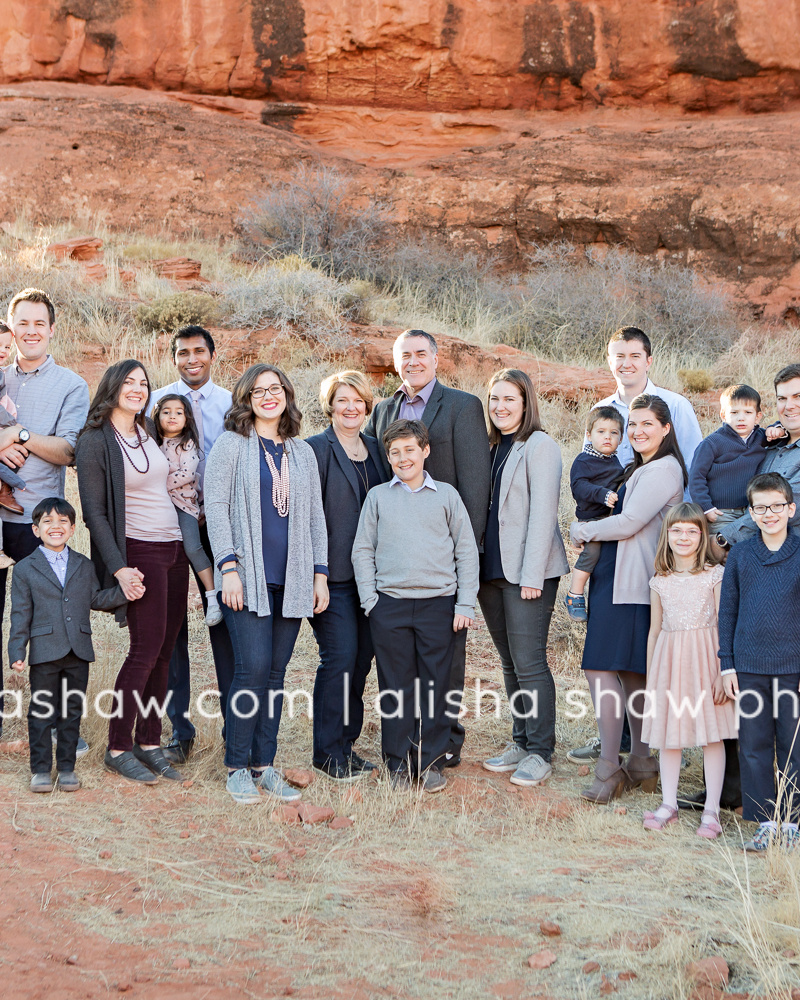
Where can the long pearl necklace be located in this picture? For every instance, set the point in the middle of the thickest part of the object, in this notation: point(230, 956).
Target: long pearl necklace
point(280, 480)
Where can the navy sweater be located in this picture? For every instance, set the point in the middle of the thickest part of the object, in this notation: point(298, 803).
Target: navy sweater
point(759, 608)
point(723, 465)
point(590, 479)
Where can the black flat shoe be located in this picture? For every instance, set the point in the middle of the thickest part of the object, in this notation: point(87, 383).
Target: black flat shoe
point(358, 763)
point(156, 761)
point(178, 751)
point(450, 760)
point(127, 766)
point(339, 772)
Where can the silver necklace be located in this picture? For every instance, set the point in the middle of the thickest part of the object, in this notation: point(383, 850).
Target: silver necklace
point(362, 475)
point(494, 474)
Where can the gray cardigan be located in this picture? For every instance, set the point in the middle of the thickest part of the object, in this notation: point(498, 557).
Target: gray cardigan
point(531, 546)
point(232, 490)
point(651, 491)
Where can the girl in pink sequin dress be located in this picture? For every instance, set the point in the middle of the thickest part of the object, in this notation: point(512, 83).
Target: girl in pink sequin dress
point(686, 706)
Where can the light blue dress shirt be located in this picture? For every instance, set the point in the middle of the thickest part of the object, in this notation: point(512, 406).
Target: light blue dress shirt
point(58, 561)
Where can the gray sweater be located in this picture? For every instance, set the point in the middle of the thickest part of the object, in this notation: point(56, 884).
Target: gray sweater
point(232, 489)
point(416, 545)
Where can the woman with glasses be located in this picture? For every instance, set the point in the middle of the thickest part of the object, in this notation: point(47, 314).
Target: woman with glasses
point(267, 529)
point(615, 651)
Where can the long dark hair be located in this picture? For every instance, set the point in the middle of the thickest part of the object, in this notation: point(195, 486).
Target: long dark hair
point(669, 446)
point(189, 433)
point(239, 417)
point(106, 398)
point(530, 404)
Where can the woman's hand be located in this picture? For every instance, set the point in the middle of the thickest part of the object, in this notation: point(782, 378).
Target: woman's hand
point(718, 695)
point(232, 589)
point(529, 593)
point(321, 596)
point(131, 580)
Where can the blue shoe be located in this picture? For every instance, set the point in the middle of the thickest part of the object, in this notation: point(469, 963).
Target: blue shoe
point(762, 838)
point(273, 784)
point(576, 607)
point(241, 787)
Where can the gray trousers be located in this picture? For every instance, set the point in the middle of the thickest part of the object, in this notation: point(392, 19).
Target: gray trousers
point(192, 546)
point(519, 631)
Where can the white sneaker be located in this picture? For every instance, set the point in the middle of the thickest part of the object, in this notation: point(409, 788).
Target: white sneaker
point(534, 770)
point(213, 610)
point(508, 760)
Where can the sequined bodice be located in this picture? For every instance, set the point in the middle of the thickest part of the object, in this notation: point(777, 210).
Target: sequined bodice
point(688, 601)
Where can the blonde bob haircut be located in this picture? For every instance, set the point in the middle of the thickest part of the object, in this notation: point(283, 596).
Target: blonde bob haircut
point(356, 380)
point(684, 513)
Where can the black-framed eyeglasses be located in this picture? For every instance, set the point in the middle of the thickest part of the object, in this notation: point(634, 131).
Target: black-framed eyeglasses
point(273, 390)
point(761, 509)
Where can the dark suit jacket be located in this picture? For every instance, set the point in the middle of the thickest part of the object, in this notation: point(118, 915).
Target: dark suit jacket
point(53, 620)
point(101, 484)
point(341, 499)
point(459, 445)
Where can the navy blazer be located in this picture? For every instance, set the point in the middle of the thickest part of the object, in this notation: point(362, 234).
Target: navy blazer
point(55, 620)
point(341, 499)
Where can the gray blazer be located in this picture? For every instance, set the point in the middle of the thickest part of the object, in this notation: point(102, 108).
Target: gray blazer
point(459, 445)
point(53, 620)
point(232, 489)
point(531, 546)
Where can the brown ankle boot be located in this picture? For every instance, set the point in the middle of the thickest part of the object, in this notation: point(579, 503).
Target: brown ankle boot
point(641, 771)
point(608, 784)
point(7, 499)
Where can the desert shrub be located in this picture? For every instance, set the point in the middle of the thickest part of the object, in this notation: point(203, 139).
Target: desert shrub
point(696, 379)
point(170, 312)
point(322, 216)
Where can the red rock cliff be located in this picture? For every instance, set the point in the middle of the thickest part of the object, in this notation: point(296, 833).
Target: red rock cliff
point(433, 54)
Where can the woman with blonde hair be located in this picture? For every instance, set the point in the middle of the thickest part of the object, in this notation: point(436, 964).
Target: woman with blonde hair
point(349, 466)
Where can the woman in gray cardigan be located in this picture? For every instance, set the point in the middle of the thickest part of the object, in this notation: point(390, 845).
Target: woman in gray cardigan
point(523, 557)
point(615, 651)
point(267, 530)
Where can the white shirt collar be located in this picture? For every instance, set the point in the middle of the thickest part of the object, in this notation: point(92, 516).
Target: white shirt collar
point(427, 481)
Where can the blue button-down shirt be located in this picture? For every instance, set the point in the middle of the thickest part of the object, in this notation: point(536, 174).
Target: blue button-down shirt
point(58, 561)
point(427, 483)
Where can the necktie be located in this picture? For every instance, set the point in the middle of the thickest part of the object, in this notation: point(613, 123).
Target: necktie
point(198, 419)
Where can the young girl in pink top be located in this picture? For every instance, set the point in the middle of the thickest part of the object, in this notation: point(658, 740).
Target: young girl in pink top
point(177, 437)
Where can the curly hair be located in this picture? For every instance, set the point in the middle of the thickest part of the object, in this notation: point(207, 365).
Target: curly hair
point(106, 399)
point(240, 418)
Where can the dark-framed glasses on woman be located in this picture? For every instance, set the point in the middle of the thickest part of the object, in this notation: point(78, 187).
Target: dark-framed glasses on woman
point(273, 390)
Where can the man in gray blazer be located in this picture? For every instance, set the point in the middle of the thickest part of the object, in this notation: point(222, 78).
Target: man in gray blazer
point(459, 455)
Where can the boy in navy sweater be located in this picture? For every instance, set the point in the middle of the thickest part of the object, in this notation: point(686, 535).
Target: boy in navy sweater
point(593, 479)
point(759, 638)
point(726, 461)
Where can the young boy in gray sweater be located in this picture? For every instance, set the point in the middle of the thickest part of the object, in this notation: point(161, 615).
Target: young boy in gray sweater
point(416, 566)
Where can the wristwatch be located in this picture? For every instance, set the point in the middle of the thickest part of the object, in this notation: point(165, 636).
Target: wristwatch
point(24, 436)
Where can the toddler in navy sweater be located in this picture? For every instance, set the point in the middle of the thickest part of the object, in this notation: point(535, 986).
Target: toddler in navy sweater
point(759, 639)
point(593, 479)
point(726, 461)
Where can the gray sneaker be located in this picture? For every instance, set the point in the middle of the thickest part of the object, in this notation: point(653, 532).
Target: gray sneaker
point(273, 784)
point(508, 760)
point(534, 770)
point(241, 787)
point(587, 754)
point(41, 782)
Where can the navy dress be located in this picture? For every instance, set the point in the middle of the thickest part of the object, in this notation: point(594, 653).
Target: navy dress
point(616, 634)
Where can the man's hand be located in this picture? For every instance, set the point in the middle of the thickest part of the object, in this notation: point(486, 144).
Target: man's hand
point(730, 684)
point(14, 455)
point(529, 593)
point(711, 515)
point(461, 621)
point(131, 580)
point(611, 499)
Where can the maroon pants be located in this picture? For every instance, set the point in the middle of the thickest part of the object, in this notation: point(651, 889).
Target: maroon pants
point(154, 622)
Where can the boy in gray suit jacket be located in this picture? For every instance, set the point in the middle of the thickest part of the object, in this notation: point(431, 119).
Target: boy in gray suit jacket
point(52, 593)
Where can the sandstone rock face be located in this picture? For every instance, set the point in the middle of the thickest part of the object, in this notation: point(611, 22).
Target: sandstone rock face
point(434, 54)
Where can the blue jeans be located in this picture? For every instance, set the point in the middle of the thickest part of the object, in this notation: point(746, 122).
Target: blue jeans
point(345, 654)
point(262, 647)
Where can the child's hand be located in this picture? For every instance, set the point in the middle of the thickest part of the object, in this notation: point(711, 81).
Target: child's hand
point(18, 666)
point(611, 499)
point(461, 621)
point(529, 593)
point(776, 432)
point(17, 679)
point(711, 516)
point(718, 691)
point(730, 683)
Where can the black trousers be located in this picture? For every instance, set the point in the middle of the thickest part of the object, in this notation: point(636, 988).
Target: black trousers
point(413, 640)
point(458, 669)
point(179, 679)
point(772, 732)
point(56, 700)
point(18, 541)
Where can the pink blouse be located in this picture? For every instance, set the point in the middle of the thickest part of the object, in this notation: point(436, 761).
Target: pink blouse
point(182, 478)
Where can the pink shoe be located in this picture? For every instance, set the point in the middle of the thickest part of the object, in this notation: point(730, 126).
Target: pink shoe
point(662, 817)
point(709, 826)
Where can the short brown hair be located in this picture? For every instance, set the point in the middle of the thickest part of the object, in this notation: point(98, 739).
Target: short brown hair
point(605, 413)
point(530, 412)
point(356, 380)
point(769, 481)
point(32, 295)
point(741, 392)
point(405, 429)
point(628, 333)
point(239, 417)
point(787, 374)
point(684, 513)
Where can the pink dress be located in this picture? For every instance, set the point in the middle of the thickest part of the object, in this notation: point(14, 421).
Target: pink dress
point(684, 664)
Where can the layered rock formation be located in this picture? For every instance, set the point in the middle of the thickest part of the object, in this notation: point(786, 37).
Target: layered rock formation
point(422, 54)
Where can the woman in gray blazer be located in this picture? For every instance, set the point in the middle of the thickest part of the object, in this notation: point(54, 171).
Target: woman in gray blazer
point(267, 530)
point(523, 557)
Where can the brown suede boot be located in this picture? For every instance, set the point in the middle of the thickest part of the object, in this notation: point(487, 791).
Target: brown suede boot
point(641, 771)
point(608, 784)
point(7, 499)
